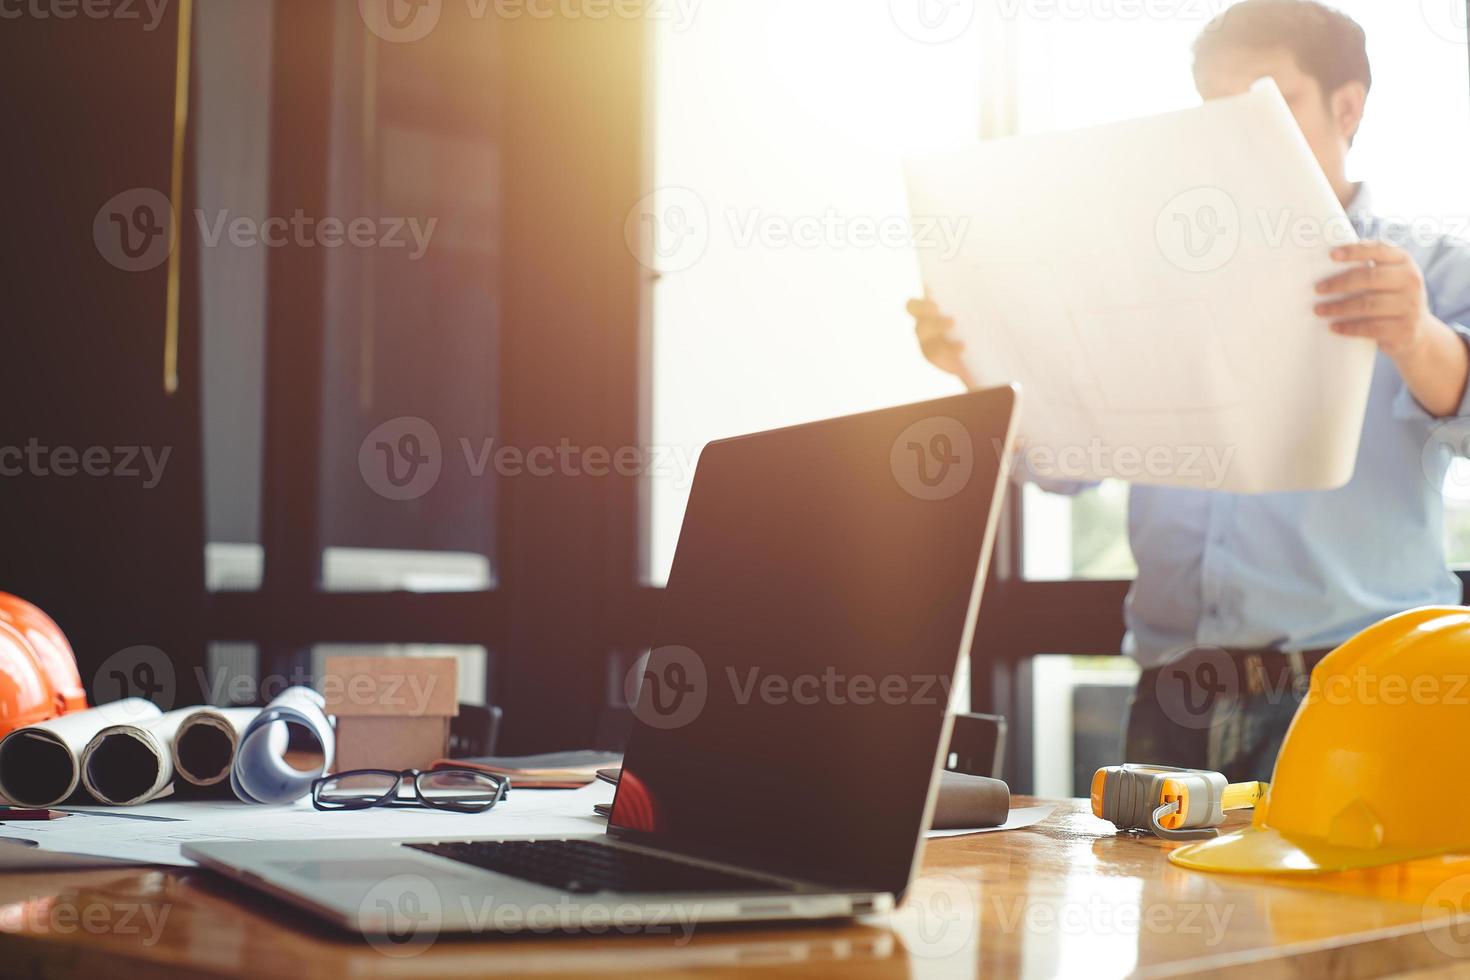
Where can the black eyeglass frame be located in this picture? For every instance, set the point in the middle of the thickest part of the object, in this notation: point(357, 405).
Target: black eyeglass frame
point(391, 798)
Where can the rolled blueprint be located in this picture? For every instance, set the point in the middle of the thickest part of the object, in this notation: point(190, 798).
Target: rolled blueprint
point(129, 764)
point(262, 773)
point(41, 764)
point(205, 744)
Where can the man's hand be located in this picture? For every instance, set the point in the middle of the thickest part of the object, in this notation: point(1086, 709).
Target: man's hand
point(935, 340)
point(1383, 297)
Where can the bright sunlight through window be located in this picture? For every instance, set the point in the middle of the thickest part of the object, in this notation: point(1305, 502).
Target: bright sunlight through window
point(785, 251)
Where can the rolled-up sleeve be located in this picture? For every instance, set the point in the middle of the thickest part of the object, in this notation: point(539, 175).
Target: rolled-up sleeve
point(1406, 406)
point(1445, 263)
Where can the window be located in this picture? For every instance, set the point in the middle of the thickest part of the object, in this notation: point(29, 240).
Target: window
point(1077, 706)
point(472, 676)
point(411, 318)
point(773, 122)
point(349, 278)
point(1083, 537)
point(412, 322)
point(781, 131)
point(232, 67)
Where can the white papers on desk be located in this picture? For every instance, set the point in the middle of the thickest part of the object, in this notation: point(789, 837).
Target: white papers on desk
point(154, 832)
point(1150, 285)
point(1020, 819)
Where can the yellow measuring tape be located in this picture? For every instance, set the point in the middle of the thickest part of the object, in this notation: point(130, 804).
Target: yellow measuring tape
point(1175, 804)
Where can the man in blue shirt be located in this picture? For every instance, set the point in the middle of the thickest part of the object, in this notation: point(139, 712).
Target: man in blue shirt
point(1237, 597)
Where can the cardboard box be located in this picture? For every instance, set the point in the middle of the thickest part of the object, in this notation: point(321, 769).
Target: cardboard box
point(392, 712)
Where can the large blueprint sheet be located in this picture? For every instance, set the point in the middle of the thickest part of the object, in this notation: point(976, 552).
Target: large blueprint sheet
point(1149, 284)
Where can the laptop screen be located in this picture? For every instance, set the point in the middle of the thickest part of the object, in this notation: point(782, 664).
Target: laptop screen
point(826, 579)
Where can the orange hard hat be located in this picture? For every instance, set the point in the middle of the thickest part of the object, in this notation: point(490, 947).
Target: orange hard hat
point(38, 671)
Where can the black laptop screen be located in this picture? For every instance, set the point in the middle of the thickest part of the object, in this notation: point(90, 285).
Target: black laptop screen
point(791, 711)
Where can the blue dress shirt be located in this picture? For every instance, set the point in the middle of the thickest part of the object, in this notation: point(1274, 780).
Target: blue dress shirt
point(1306, 571)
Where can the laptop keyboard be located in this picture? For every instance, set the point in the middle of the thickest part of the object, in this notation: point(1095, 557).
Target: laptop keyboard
point(586, 867)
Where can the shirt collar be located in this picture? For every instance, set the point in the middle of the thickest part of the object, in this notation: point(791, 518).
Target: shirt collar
point(1360, 212)
point(1361, 205)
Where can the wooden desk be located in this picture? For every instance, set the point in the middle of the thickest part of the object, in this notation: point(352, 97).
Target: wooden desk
point(1066, 898)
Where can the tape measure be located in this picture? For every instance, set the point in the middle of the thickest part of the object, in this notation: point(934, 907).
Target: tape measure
point(1175, 804)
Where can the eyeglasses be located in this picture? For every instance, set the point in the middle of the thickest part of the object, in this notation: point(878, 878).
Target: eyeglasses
point(460, 790)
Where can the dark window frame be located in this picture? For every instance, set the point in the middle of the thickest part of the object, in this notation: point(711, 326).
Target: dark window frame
point(573, 351)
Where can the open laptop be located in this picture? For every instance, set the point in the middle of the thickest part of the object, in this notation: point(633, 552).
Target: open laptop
point(792, 717)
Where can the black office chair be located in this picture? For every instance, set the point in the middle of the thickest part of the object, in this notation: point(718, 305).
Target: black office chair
point(474, 732)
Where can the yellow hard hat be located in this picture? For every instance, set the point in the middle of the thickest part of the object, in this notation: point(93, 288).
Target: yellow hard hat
point(1373, 770)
